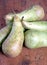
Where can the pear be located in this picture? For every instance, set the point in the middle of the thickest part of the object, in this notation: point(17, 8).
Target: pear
point(4, 32)
point(35, 25)
point(35, 39)
point(12, 46)
point(34, 13)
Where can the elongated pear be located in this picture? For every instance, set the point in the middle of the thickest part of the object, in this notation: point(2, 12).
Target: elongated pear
point(35, 39)
point(36, 12)
point(4, 33)
point(12, 46)
point(36, 25)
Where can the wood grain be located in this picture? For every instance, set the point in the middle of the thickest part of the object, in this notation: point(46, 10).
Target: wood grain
point(27, 56)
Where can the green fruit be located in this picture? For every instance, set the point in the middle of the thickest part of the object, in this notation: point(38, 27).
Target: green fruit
point(34, 13)
point(35, 39)
point(4, 32)
point(12, 46)
point(37, 25)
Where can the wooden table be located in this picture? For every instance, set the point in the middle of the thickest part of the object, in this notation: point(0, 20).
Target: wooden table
point(28, 56)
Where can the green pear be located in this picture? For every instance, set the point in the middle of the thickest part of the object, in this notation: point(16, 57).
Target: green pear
point(12, 46)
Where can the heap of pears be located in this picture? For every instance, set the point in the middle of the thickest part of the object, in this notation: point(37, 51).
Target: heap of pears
point(25, 26)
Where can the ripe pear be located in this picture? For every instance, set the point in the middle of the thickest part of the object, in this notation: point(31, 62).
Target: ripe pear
point(12, 46)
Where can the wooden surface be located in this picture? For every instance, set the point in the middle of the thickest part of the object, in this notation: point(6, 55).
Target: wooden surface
point(27, 56)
